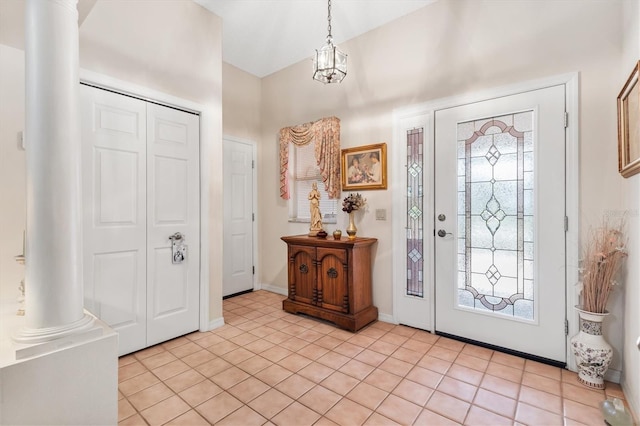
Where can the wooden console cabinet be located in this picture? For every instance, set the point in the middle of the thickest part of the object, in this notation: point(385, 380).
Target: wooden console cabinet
point(331, 279)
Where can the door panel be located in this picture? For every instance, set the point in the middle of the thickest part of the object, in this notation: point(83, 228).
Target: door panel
point(173, 195)
point(500, 247)
point(332, 279)
point(238, 217)
point(302, 271)
point(114, 214)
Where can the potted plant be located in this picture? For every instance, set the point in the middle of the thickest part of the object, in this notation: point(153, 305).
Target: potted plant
point(603, 254)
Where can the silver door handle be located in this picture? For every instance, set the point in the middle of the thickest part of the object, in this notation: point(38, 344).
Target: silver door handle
point(442, 233)
point(176, 237)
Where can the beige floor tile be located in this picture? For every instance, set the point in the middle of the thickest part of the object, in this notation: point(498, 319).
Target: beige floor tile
point(583, 413)
point(320, 399)
point(125, 410)
point(499, 385)
point(470, 361)
point(210, 340)
point(413, 392)
point(184, 380)
point(477, 351)
point(347, 412)
point(450, 344)
point(294, 344)
point(348, 349)
point(507, 359)
point(312, 351)
point(425, 377)
point(171, 369)
point(218, 407)
point(294, 362)
point(399, 410)
point(340, 383)
point(457, 388)
point(370, 357)
point(316, 372)
point(276, 353)
point(372, 332)
point(341, 334)
point(428, 417)
point(238, 355)
point(443, 353)
point(249, 389)
point(310, 335)
point(546, 370)
point(480, 417)
point(213, 367)
point(362, 341)
point(333, 360)
point(396, 366)
point(270, 403)
point(417, 346)
point(190, 418)
point(407, 355)
point(199, 393)
point(222, 348)
point(448, 406)
point(244, 416)
point(394, 339)
point(530, 415)
point(376, 419)
point(356, 369)
point(296, 414)
point(328, 342)
point(244, 339)
point(367, 395)
point(383, 347)
point(541, 383)
point(496, 403)
point(137, 383)
point(383, 380)
point(229, 377)
point(295, 386)
point(273, 375)
point(540, 399)
point(434, 364)
point(504, 372)
point(146, 353)
point(425, 336)
point(169, 409)
point(159, 359)
point(465, 374)
point(583, 394)
point(255, 364)
point(131, 370)
point(259, 346)
point(126, 360)
point(277, 337)
point(150, 396)
point(186, 349)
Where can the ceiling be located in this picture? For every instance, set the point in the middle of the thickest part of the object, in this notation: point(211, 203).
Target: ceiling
point(265, 36)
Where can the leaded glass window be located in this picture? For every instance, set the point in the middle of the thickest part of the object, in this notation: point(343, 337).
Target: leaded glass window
point(415, 210)
point(495, 215)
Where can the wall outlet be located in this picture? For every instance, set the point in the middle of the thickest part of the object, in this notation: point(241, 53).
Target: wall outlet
point(381, 214)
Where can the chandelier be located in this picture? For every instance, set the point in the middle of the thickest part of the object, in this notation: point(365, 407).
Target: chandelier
point(329, 63)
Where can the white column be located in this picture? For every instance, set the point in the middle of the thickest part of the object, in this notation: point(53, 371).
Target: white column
point(54, 291)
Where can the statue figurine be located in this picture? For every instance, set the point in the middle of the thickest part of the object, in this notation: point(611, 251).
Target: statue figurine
point(314, 206)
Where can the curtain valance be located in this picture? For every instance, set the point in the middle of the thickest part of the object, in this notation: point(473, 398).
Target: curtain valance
point(325, 134)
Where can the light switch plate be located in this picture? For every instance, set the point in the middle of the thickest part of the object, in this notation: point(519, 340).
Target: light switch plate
point(381, 214)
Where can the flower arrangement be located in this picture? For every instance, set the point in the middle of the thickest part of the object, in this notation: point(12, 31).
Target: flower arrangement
point(353, 202)
point(602, 257)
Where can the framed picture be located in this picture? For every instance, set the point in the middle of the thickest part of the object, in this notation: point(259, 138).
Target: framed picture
point(364, 167)
point(629, 125)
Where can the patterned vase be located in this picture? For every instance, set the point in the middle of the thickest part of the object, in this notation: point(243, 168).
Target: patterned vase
point(593, 353)
point(351, 229)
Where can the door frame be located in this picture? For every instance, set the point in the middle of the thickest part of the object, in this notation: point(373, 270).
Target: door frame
point(208, 124)
point(422, 115)
point(254, 223)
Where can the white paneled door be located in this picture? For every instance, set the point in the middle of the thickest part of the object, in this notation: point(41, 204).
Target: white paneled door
point(140, 186)
point(500, 222)
point(238, 217)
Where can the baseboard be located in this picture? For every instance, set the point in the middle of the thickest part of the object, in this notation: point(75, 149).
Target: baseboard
point(613, 376)
point(632, 400)
point(386, 318)
point(274, 289)
point(216, 323)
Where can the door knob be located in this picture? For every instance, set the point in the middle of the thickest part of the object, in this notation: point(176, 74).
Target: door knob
point(176, 237)
point(442, 233)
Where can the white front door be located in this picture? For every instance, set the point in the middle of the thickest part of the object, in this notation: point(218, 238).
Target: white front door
point(173, 202)
point(140, 165)
point(500, 222)
point(238, 217)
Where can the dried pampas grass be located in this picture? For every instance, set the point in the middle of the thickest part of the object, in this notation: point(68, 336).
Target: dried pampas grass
point(603, 255)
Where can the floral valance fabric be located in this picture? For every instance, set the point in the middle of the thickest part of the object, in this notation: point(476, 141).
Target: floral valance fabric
point(325, 134)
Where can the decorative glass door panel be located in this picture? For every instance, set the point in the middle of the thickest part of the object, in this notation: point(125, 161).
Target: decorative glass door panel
point(495, 215)
point(499, 191)
point(415, 213)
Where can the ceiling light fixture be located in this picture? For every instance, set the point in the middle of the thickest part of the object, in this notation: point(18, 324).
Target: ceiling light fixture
point(329, 63)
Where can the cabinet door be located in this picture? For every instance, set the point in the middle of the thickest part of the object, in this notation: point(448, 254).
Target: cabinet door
point(302, 273)
point(333, 283)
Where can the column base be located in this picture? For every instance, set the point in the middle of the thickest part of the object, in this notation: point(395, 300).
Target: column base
point(40, 335)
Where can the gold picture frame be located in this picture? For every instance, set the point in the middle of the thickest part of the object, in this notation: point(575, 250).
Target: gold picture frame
point(629, 125)
point(364, 167)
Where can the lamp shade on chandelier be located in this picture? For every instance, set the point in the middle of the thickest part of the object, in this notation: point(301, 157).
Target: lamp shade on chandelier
point(329, 63)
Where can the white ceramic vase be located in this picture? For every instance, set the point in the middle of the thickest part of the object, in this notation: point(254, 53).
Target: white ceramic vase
point(593, 353)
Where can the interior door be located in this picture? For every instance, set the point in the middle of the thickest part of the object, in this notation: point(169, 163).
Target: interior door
point(500, 222)
point(173, 199)
point(114, 212)
point(238, 217)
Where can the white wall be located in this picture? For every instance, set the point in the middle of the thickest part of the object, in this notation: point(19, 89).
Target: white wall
point(444, 49)
point(631, 203)
point(241, 98)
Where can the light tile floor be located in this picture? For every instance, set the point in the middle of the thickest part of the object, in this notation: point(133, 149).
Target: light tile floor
point(266, 366)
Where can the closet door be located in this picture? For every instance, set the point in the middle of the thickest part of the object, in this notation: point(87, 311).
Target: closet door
point(114, 212)
point(173, 200)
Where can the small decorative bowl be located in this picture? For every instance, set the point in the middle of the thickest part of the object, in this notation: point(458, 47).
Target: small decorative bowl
point(321, 234)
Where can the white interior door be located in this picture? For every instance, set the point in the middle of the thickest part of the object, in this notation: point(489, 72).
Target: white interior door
point(500, 222)
point(114, 212)
point(238, 217)
point(140, 185)
point(173, 200)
